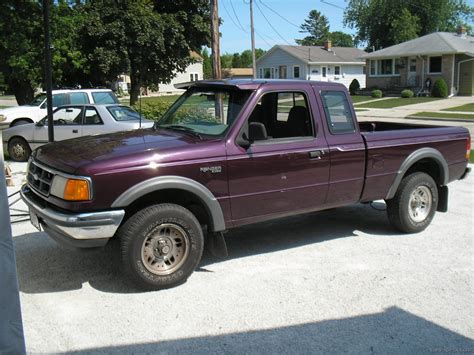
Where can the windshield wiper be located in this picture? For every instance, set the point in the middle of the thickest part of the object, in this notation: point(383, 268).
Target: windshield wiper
point(184, 129)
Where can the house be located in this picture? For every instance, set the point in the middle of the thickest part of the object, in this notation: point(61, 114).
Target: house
point(327, 63)
point(437, 55)
point(193, 72)
point(237, 73)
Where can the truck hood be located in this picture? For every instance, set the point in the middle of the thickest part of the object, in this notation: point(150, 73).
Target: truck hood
point(109, 151)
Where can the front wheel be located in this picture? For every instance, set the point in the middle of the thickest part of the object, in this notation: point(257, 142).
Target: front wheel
point(412, 208)
point(19, 149)
point(161, 246)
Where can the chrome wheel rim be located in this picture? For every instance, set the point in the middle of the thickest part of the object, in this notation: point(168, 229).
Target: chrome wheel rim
point(18, 151)
point(165, 249)
point(420, 204)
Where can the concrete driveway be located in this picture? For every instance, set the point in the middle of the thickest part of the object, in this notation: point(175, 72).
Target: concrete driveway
point(337, 281)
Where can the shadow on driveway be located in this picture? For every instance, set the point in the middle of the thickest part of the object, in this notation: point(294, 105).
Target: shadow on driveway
point(393, 331)
point(44, 266)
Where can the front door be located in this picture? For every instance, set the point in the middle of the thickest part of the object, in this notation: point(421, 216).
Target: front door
point(67, 124)
point(411, 72)
point(324, 73)
point(286, 171)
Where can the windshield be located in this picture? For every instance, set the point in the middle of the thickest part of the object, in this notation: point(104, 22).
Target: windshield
point(209, 112)
point(123, 113)
point(38, 100)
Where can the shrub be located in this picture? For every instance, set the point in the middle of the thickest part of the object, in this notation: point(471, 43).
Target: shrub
point(377, 94)
point(406, 94)
point(153, 110)
point(354, 87)
point(440, 88)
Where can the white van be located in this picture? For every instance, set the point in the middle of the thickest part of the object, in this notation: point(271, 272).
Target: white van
point(36, 110)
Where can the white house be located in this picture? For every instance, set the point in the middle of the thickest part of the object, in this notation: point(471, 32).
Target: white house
point(327, 63)
point(193, 72)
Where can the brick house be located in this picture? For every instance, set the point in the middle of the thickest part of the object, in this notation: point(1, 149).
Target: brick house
point(437, 55)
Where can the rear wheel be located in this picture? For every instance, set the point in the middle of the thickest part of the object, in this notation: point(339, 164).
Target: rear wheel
point(412, 208)
point(161, 246)
point(19, 149)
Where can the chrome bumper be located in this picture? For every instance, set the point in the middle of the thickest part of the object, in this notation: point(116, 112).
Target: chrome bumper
point(80, 229)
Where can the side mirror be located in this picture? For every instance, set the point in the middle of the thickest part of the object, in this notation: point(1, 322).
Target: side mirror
point(39, 123)
point(257, 132)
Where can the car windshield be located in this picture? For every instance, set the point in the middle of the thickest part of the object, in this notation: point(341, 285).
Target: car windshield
point(123, 113)
point(38, 100)
point(209, 112)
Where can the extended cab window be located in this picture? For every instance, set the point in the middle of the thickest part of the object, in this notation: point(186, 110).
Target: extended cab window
point(338, 112)
point(284, 115)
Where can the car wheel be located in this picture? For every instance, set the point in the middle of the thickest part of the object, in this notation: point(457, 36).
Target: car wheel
point(412, 208)
point(161, 246)
point(19, 149)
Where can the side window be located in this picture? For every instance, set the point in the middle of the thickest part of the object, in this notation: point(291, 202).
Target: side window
point(67, 116)
point(91, 117)
point(284, 115)
point(78, 98)
point(104, 97)
point(59, 100)
point(338, 112)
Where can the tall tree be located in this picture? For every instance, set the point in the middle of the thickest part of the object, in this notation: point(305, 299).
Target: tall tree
point(236, 61)
point(317, 25)
point(379, 22)
point(206, 63)
point(150, 39)
point(341, 39)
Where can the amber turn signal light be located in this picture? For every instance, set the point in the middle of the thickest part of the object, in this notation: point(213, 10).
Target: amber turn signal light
point(77, 190)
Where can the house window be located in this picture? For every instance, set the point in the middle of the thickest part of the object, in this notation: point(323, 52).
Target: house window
point(413, 65)
point(337, 70)
point(282, 71)
point(296, 72)
point(384, 67)
point(435, 65)
point(260, 73)
point(193, 77)
point(268, 73)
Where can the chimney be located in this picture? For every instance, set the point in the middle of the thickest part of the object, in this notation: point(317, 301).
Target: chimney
point(328, 45)
point(461, 31)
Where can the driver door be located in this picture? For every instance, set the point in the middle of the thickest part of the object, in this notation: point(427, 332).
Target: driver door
point(67, 124)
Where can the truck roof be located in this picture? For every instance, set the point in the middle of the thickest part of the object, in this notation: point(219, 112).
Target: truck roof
point(254, 84)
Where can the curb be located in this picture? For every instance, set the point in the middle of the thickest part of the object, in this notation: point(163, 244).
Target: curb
point(426, 118)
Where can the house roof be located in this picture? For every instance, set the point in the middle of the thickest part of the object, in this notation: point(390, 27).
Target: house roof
point(316, 54)
point(240, 71)
point(434, 43)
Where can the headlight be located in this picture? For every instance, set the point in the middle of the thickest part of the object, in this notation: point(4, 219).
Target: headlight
point(3, 118)
point(71, 189)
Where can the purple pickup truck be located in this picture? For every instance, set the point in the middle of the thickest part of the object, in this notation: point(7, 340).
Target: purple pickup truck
point(232, 153)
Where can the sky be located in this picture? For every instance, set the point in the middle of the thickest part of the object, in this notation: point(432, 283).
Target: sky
point(286, 17)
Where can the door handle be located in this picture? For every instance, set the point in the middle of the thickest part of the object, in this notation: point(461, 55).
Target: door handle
point(75, 131)
point(316, 154)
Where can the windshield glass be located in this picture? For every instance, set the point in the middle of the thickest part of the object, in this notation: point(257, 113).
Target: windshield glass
point(123, 113)
point(38, 100)
point(209, 112)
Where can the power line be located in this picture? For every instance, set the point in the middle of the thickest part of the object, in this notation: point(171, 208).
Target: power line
point(278, 14)
point(237, 17)
point(270, 24)
point(328, 3)
point(232, 19)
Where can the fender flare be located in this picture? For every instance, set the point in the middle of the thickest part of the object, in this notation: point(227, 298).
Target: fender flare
point(180, 183)
point(413, 158)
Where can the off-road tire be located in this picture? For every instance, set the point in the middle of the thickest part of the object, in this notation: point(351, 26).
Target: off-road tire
point(141, 234)
point(19, 149)
point(398, 208)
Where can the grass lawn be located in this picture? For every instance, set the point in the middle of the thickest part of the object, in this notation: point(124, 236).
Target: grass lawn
point(464, 108)
point(396, 102)
point(471, 157)
point(360, 98)
point(4, 106)
point(444, 115)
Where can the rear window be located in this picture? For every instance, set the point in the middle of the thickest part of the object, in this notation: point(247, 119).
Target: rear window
point(123, 113)
point(104, 98)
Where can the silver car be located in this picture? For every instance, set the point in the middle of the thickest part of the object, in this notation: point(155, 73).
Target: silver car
point(71, 121)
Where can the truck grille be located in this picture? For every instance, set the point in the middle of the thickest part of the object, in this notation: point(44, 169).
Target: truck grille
point(39, 178)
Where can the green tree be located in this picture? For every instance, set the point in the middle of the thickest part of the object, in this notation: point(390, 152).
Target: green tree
point(226, 61)
point(206, 64)
point(236, 61)
point(149, 39)
point(382, 23)
point(317, 25)
point(341, 39)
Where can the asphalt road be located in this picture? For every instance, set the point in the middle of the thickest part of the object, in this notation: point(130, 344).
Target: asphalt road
point(337, 281)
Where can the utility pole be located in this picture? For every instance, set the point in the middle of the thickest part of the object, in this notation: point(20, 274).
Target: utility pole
point(215, 46)
point(47, 71)
point(252, 35)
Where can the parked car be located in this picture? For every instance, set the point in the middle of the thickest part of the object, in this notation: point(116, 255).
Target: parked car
point(71, 121)
point(36, 110)
point(232, 153)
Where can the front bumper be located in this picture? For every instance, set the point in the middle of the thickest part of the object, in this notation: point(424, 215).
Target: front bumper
point(83, 230)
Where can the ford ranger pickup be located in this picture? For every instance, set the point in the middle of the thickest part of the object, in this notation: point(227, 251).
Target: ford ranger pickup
point(232, 153)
